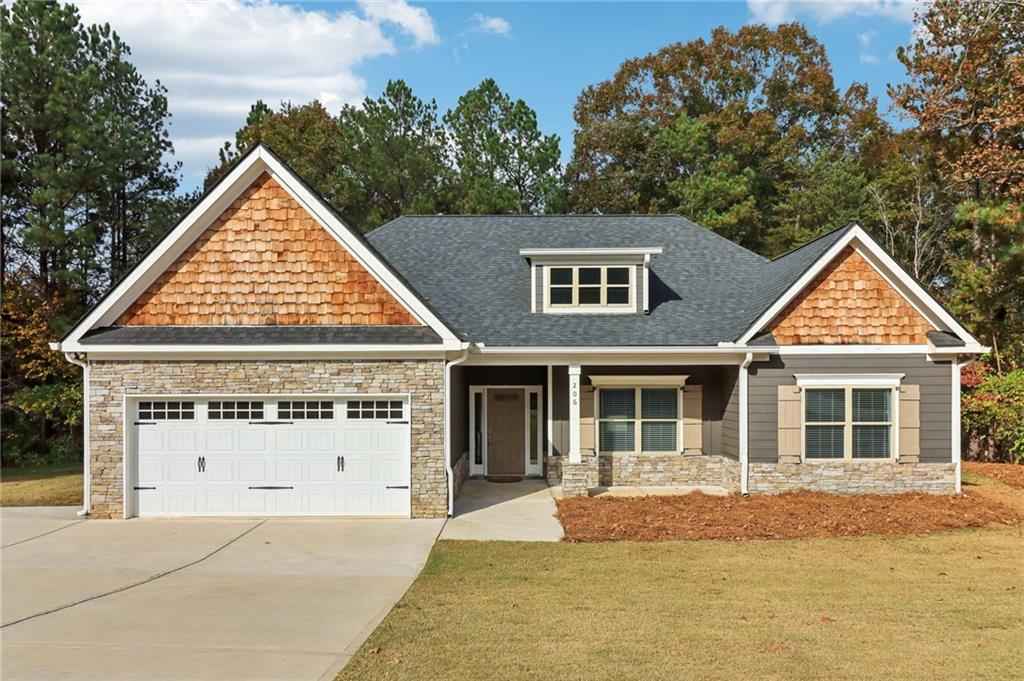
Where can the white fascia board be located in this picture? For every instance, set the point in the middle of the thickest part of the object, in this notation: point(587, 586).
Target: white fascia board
point(888, 268)
point(210, 208)
point(259, 351)
point(589, 252)
point(616, 349)
point(853, 379)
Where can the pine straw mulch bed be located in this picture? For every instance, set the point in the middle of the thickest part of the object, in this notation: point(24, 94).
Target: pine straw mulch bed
point(1011, 474)
point(793, 515)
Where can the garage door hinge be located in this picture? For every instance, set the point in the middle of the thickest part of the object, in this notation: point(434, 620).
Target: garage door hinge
point(144, 423)
point(271, 423)
point(397, 487)
point(390, 423)
point(144, 488)
point(270, 487)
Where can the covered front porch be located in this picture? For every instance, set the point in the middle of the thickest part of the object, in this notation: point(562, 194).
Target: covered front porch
point(597, 426)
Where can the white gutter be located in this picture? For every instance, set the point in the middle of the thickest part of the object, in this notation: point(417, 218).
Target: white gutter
point(86, 468)
point(625, 349)
point(744, 453)
point(449, 472)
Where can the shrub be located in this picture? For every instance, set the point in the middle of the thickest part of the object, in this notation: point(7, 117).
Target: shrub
point(993, 414)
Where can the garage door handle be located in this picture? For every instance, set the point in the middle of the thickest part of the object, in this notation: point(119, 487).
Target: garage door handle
point(271, 487)
point(397, 487)
point(341, 464)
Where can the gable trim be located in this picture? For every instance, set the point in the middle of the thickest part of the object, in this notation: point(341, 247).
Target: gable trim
point(257, 161)
point(888, 269)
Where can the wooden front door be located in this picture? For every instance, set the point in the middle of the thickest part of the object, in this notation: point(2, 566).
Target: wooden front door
point(506, 426)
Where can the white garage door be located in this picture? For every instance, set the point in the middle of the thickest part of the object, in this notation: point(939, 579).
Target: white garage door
point(270, 456)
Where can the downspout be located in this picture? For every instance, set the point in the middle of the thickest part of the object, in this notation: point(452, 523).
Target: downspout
point(448, 471)
point(955, 414)
point(86, 468)
point(744, 410)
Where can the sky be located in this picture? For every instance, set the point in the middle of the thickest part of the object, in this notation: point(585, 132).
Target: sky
point(217, 57)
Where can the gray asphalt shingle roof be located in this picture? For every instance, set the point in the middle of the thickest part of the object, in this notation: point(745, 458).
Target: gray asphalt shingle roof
point(704, 288)
point(261, 335)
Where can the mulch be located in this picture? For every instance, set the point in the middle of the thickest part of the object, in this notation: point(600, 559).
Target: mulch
point(1011, 474)
point(794, 515)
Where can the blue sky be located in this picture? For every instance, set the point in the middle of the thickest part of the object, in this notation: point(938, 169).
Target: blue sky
point(217, 57)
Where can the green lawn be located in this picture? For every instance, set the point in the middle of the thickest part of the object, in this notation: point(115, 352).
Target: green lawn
point(944, 606)
point(50, 486)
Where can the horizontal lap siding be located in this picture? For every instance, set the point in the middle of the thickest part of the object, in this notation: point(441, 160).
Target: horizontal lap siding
point(731, 413)
point(933, 377)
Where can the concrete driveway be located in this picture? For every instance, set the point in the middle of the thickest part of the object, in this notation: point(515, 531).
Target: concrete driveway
point(197, 598)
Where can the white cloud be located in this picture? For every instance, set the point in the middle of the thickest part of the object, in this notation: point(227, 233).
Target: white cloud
point(493, 25)
point(217, 58)
point(866, 58)
point(413, 20)
point(866, 38)
point(774, 12)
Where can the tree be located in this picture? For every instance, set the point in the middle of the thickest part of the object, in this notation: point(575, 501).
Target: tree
point(395, 151)
point(503, 163)
point(758, 100)
point(966, 92)
point(85, 189)
point(306, 137)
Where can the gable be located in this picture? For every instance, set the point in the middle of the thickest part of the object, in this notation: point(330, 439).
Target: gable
point(849, 302)
point(265, 260)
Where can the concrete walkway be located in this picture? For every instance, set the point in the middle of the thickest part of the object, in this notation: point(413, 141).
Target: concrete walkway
point(504, 511)
point(203, 598)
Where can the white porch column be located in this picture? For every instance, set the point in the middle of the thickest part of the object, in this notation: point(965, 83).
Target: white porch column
point(574, 414)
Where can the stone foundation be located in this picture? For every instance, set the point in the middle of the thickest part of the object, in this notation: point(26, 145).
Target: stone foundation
point(853, 477)
point(111, 380)
point(553, 469)
point(578, 478)
point(668, 470)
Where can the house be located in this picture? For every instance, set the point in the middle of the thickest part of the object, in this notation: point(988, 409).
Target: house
point(264, 358)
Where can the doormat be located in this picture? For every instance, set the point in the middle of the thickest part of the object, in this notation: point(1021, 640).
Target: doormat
point(504, 478)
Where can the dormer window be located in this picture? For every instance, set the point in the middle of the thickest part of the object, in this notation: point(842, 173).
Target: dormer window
point(586, 286)
point(589, 280)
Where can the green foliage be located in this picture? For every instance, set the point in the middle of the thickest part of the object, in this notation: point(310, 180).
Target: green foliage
point(503, 163)
point(993, 415)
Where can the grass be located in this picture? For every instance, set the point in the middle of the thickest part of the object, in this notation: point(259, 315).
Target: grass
point(49, 486)
point(942, 606)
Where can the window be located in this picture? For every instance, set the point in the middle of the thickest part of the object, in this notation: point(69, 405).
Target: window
point(305, 410)
point(598, 286)
point(619, 425)
point(225, 411)
point(375, 409)
point(848, 423)
point(167, 411)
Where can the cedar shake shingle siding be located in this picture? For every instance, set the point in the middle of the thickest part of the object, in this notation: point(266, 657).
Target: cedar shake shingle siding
point(849, 302)
point(265, 260)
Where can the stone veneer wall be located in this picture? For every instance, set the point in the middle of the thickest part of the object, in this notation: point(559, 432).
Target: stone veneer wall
point(110, 380)
point(553, 470)
point(668, 470)
point(578, 478)
point(853, 477)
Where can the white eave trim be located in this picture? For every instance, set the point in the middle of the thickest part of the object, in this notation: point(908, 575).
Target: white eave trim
point(853, 380)
point(629, 380)
point(621, 350)
point(888, 268)
point(589, 252)
point(202, 216)
point(260, 350)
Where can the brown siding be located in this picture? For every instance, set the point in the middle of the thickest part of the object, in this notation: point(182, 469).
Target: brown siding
point(934, 379)
point(849, 302)
point(265, 260)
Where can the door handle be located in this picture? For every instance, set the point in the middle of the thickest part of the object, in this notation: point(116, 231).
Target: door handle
point(341, 464)
point(201, 464)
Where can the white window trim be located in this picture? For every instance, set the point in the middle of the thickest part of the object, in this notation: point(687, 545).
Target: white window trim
point(575, 308)
point(638, 419)
point(866, 381)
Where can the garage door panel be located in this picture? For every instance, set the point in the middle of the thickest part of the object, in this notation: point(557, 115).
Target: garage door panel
point(288, 440)
point(220, 440)
point(182, 440)
point(252, 440)
point(202, 467)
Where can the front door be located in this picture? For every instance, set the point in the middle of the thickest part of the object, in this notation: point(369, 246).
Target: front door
point(506, 431)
